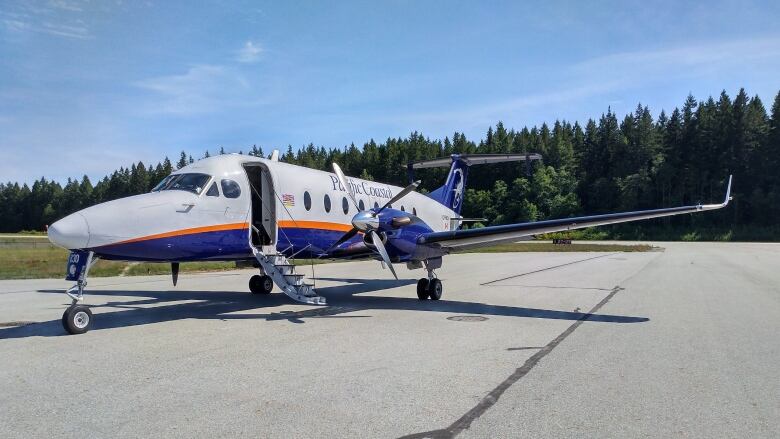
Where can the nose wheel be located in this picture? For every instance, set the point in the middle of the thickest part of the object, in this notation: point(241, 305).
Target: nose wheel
point(429, 288)
point(77, 319)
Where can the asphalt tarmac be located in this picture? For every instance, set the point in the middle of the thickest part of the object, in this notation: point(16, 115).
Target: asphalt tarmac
point(675, 343)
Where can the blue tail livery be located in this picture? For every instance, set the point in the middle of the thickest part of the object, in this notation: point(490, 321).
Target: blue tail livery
point(451, 193)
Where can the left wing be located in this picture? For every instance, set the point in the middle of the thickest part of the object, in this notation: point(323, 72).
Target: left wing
point(464, 239)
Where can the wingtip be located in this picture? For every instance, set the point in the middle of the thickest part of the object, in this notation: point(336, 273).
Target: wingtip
point(728, 192)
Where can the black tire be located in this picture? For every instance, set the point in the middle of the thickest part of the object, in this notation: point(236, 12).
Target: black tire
point(77, 319)
point(435, 289)
point(422, 289)
point(261, 284)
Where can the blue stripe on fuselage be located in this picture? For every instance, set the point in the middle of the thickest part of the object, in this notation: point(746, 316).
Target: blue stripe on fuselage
point(222, 245)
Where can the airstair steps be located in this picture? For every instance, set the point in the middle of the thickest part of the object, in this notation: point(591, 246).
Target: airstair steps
point(279, 268)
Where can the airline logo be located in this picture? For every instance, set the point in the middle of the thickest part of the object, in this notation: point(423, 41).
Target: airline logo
point(457, 190)
point(362, 188)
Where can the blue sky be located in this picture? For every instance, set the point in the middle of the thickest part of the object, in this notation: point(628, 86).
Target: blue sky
point(88, 86)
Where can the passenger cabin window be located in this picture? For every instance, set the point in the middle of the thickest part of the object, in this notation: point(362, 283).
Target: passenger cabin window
point(230, 189)
point(307, 200)
point(194, 183)
point(345, 205)
point(402, 208)
point(213, 191)
point(414, 211)
point(362, 205)
point(376, 205)
point(327, 203)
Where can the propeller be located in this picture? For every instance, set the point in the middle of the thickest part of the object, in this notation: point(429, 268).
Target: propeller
point(400, 195)
point(377, 241)
point(343, 181)
point(367, 221)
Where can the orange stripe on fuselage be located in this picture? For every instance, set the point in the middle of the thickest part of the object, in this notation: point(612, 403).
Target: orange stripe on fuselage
point(192, 231)
point(236, 226)
point(322, 225)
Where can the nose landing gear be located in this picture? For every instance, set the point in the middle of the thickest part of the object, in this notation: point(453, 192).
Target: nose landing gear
point(77, 319)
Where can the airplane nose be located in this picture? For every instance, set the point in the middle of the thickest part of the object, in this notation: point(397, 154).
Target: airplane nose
point(71, 232)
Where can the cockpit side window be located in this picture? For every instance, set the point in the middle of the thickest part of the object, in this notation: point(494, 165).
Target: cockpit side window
point(213, 191)
point(194, 183)
point(162, 184)
point(230, 189)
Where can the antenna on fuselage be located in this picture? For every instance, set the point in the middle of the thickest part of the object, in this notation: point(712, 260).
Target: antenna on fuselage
point(274, 156)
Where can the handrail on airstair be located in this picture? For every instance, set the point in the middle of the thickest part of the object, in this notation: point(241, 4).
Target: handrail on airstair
point(287, 238)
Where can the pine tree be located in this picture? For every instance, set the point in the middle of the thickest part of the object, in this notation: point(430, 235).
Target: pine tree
point(630, 162)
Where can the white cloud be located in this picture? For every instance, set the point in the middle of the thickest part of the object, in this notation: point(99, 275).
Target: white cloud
point(610, 74)
point(75, 6)
point(60, 30)
point(250, 53)
point(690, 59)
point(59, 18)
point(202, 89)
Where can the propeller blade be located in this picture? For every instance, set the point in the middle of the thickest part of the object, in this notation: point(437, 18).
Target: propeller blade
point(381, 249)
point(400, 195)
point(343, 180)
point(343, 239)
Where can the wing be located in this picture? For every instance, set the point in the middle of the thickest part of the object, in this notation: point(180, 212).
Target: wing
point(464, 239)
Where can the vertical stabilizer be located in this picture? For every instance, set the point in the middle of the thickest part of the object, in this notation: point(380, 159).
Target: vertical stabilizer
point(452, 192)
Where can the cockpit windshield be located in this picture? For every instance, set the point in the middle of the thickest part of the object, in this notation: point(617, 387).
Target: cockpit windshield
point(194, 183)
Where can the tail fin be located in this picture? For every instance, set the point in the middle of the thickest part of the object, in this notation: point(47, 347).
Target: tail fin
point(452, 192)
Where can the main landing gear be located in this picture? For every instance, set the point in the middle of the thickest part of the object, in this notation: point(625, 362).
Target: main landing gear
point(429, 287)
point(261, 284)
point(77, 319)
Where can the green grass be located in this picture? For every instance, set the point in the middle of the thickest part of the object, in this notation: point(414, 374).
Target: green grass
point(147, 268)
point(640, 232)
point(46, 261)
point(50, 262)
point(550, 247)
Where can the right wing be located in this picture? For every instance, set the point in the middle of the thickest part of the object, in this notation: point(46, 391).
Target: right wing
point(470, 238)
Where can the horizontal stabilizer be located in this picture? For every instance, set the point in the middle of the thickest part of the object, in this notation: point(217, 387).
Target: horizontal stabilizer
point(473, 159)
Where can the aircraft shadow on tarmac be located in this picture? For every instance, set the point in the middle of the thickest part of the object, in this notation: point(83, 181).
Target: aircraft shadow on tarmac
point(218, 305)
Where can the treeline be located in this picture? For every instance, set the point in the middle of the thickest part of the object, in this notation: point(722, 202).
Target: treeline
point(609, 164)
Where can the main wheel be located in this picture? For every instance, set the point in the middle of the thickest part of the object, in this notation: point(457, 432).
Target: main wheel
point(422, 289)
point(261, 284)
point(435, 289)
point(77, 319)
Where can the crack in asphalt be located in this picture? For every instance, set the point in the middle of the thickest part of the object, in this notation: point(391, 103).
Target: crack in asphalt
point(465, 421)
point(548, 268)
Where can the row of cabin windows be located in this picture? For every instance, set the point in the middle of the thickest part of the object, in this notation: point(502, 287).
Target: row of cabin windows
point(344, 204)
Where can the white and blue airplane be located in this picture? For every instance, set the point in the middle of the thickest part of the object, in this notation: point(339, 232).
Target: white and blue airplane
point(244, 208)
